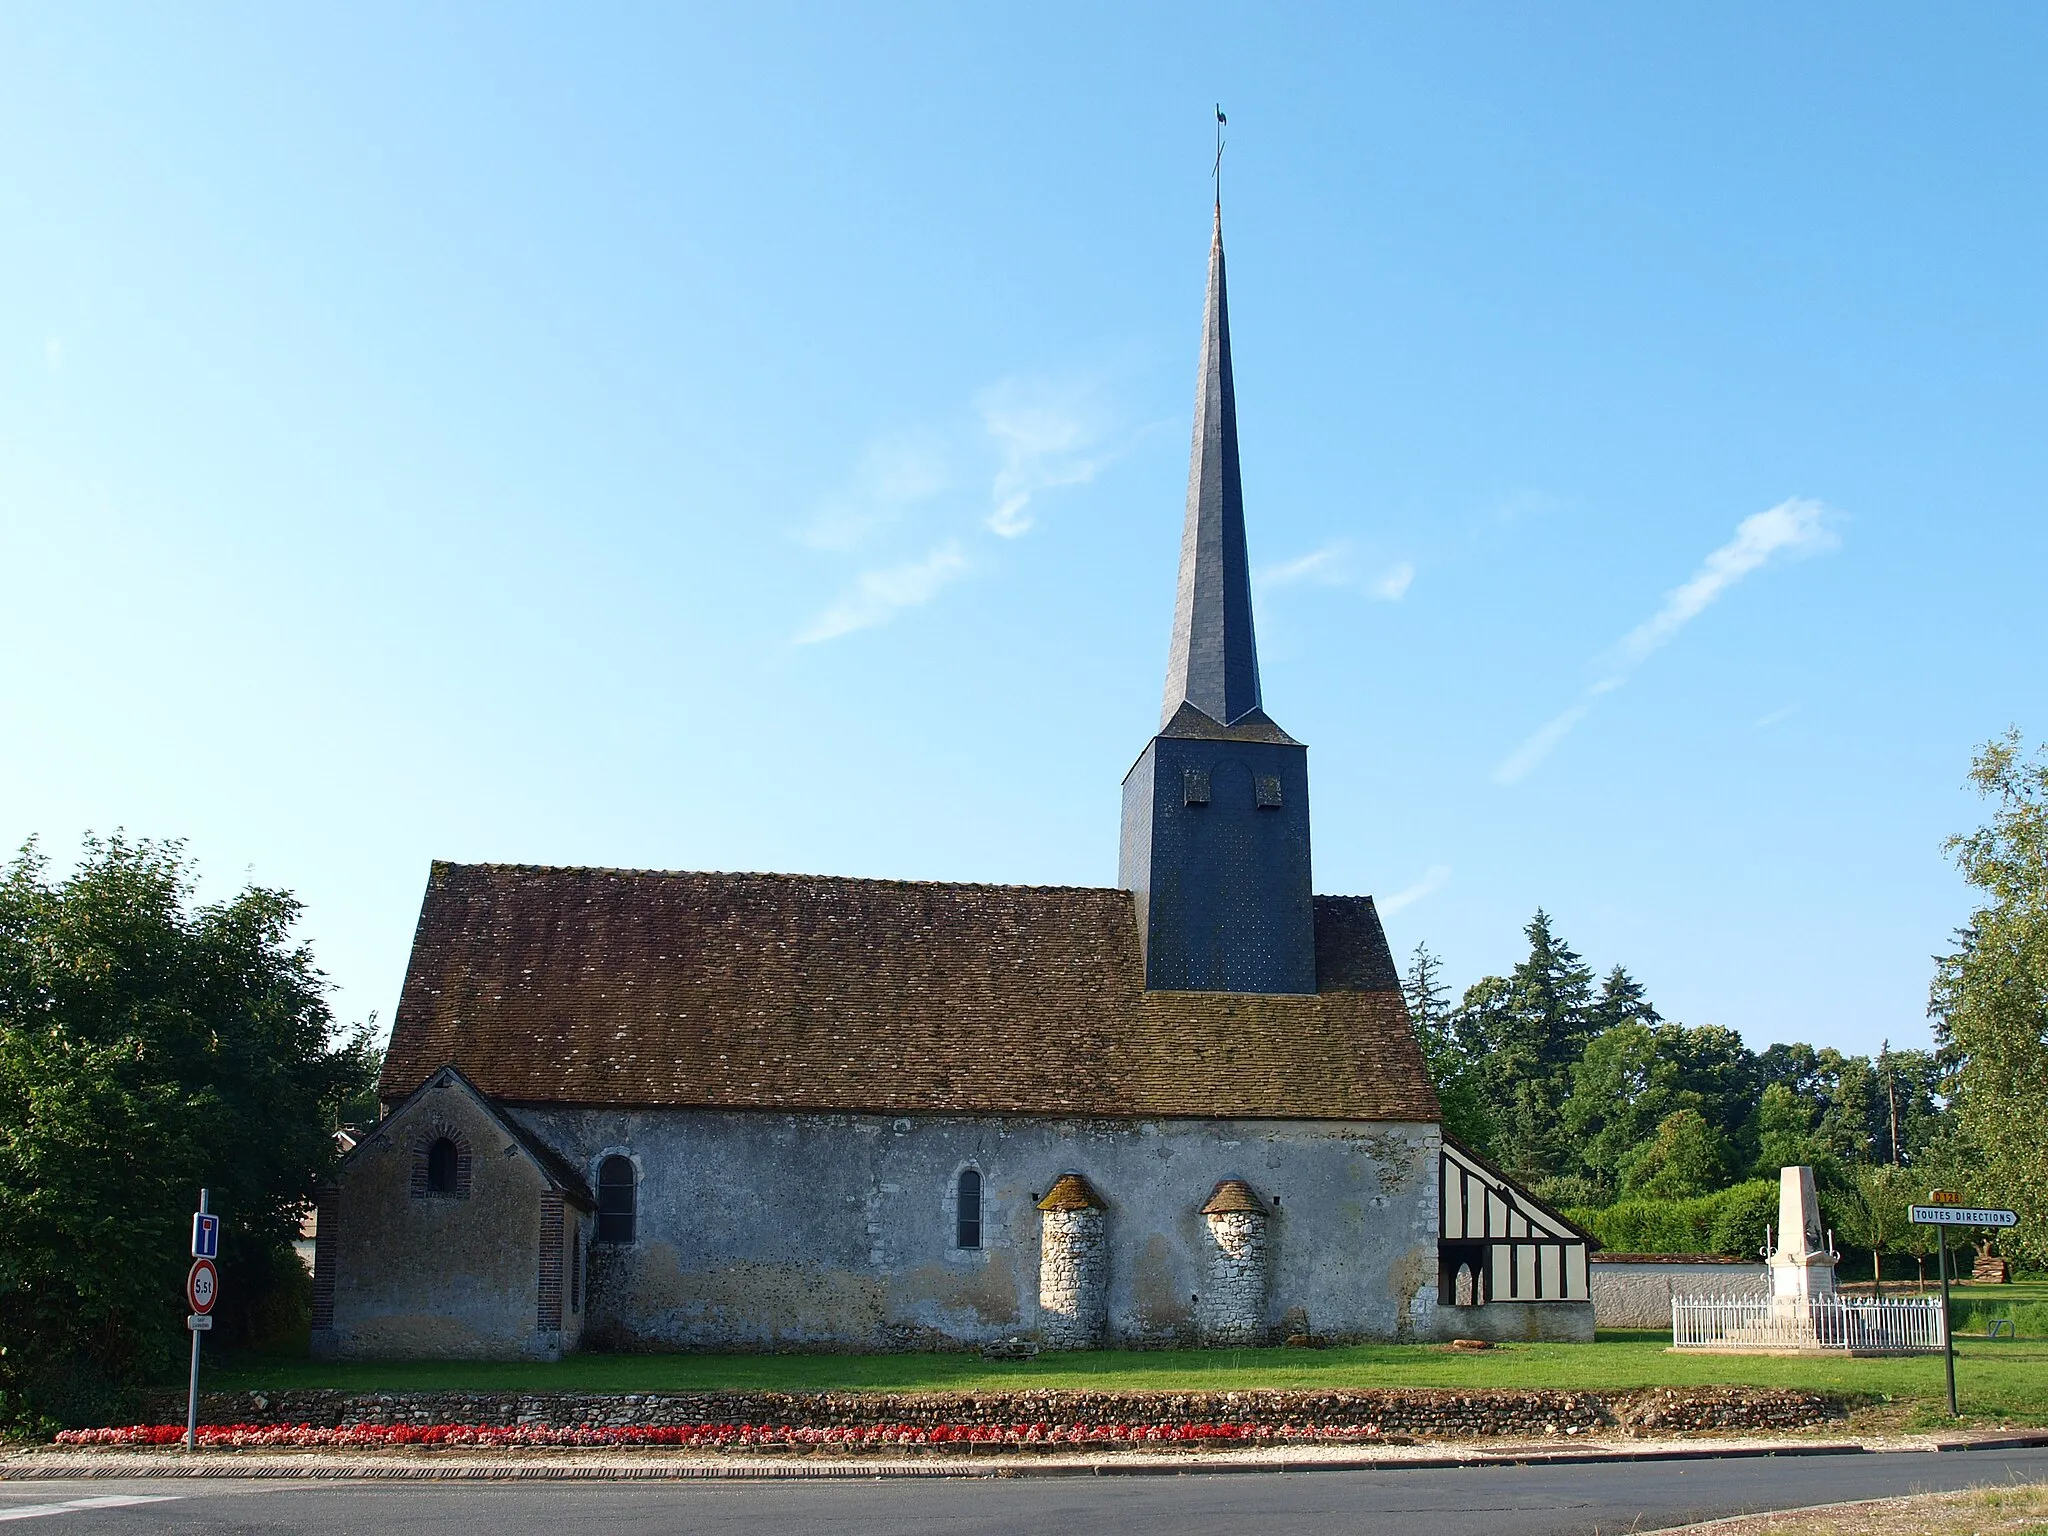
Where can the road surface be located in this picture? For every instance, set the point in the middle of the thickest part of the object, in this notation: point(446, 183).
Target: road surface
point(1608, 1497)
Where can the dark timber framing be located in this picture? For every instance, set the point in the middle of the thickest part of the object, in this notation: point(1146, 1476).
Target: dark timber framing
point(1513, 1247)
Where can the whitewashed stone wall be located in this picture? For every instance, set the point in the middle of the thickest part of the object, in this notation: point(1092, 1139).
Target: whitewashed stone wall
point(1073, 1278)
point(1233, 1308)
point(1635, 1294)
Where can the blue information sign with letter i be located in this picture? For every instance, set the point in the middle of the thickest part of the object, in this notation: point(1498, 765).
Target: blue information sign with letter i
point(205, 1236)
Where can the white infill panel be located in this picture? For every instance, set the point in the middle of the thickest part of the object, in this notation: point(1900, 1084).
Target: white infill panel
point(1524, 1250)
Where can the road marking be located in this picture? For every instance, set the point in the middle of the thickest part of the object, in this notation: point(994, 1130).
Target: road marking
point(74, 1506)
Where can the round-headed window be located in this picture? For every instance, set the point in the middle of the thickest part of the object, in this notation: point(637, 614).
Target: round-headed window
point(615, 1200)
point(967, 1210)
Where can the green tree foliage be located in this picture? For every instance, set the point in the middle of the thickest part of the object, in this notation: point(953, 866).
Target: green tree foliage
point(1990, 996)
point(1458, 1086)
point(1595, 1099)
point(1687, 1158)
point(1730, 1221)
point(148, 1047)
point(1525, 1032)
point(1870, 1213)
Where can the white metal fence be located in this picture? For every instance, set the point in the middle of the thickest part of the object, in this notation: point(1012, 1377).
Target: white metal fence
point(1847, 1323)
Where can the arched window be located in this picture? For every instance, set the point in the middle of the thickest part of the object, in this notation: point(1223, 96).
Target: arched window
point(441, 1167)
point(967, 1210)
point(615, 1178)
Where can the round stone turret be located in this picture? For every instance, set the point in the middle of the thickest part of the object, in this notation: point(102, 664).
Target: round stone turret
point(1073, 1265)
point(1233, 1305)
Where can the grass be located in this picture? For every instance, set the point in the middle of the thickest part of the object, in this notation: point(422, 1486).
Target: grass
point(1972, 1307)
point(2000, 1380)
point(2018, 1510)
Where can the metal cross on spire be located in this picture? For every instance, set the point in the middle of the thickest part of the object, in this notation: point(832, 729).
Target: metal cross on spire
point(1216, 171)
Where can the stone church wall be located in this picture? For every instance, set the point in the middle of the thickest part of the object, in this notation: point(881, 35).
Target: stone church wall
point(791, 1231)
point(403, 1271)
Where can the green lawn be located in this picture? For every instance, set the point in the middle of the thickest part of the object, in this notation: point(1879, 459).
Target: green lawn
point(2006, 1380)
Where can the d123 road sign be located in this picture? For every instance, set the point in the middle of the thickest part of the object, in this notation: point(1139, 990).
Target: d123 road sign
point(1962, 1216)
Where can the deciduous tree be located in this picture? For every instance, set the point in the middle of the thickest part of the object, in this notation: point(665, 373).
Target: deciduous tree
point(149, 1046)
point(1990, 995)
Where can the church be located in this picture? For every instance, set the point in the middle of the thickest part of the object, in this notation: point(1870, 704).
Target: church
point(644, 1110)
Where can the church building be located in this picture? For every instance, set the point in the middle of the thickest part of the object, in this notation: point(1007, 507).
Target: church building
point(632, 1109)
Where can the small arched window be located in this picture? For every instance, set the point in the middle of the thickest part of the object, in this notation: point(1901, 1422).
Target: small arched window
point(441, 1158)
point(967, 1210)
point(615, 1179)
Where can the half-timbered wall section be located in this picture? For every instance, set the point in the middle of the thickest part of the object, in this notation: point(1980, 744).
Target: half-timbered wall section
point(1499, 1244)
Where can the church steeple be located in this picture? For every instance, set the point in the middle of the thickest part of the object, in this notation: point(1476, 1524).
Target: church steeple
point(1214, 660)
point(1215, 846)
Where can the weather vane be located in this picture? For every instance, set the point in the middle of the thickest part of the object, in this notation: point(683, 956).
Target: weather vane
point(1216, 170)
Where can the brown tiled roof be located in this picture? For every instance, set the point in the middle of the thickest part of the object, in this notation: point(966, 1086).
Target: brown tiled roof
point(1233, 1195)
point(1071, 1192)
point(800, 992)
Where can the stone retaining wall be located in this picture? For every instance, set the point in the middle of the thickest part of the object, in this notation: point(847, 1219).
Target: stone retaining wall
point(1421, 1414)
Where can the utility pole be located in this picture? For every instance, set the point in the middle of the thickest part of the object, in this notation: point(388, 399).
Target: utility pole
point(1891, 1093)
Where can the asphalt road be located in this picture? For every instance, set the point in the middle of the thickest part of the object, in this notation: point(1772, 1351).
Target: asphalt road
point(1480, 1501)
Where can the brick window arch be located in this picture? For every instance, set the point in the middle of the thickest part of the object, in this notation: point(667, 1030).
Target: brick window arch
point(441, 1159)
point(440, 1164)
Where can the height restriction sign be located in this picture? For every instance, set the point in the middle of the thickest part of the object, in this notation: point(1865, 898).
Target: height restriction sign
point(202, 1286)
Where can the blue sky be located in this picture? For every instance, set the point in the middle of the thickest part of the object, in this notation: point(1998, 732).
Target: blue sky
point(755, 438)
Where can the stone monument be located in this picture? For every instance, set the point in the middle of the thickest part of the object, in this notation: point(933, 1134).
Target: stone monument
point(1803, 1261)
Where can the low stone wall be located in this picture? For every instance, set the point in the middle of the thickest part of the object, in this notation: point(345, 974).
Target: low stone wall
point(1434, 1415)
point(1634, 1290)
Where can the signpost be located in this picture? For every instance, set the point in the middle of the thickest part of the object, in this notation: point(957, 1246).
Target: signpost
point(202, 1290)
point(1945, 1209)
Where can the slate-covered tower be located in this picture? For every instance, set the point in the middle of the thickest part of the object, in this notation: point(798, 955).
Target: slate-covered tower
point(1215, 826)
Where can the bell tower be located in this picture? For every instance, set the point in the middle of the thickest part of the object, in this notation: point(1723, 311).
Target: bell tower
point(1215, 842)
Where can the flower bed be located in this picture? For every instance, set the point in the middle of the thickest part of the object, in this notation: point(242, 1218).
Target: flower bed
point(715, 1436)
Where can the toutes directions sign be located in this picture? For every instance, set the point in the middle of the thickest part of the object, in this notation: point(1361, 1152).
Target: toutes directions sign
point(1962, 1216)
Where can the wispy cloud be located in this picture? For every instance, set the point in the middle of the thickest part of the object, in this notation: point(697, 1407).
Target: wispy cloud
point(1333, 566)
point(1433, 880)
point(1329, 566)
point(1029, 436)
point(1393, 585)
point(1792, 529)
point(1781, 713)
point(1046, 436)
point(877, 596)
point(1516, 765)
point(894, 474)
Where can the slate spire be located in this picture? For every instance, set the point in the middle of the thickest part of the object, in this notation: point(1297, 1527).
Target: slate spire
point(1214, 662)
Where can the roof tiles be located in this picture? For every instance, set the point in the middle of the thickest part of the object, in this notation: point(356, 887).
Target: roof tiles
point(814, 993)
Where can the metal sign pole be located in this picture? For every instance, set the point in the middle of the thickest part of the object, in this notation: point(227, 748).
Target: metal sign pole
point(192, 1396)
point(1948, 1337)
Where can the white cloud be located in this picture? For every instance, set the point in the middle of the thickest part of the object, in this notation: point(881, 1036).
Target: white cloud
point(1516, 765)
point(1331, 566)
point(1328, 566)
point(1776, 715)
point(1793, 528)
point(1394, 584)
point(878, 596)
point(894, 474)
point(1434, 879)
point(53, 353)
point(1046, 437)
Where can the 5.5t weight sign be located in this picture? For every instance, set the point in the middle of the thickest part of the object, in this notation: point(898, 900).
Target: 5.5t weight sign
point(202, 1286)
